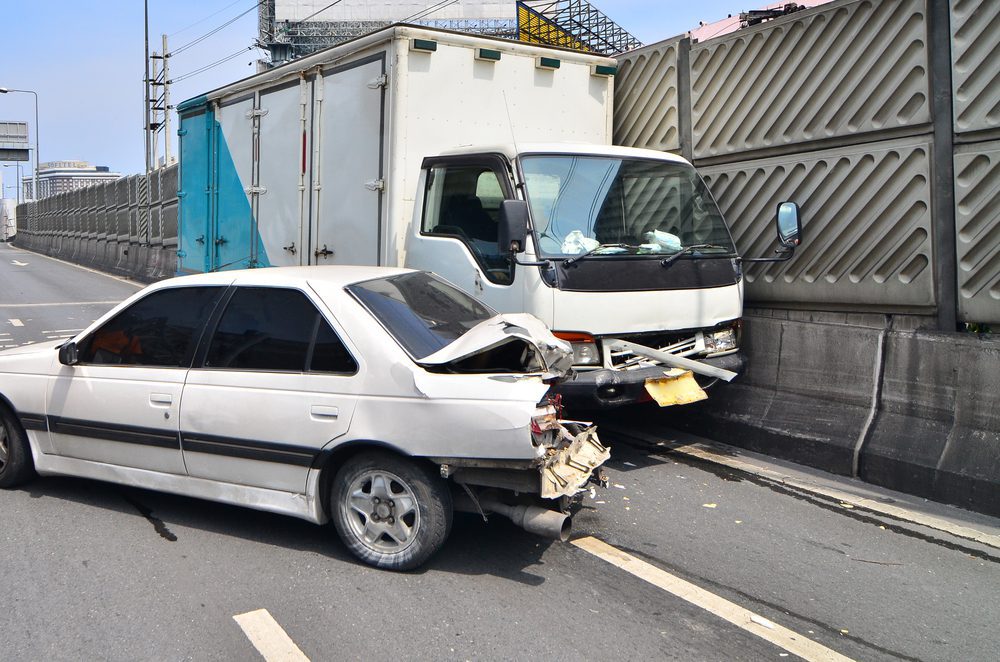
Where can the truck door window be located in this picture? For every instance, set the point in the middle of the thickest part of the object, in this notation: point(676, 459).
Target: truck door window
point(463, 201)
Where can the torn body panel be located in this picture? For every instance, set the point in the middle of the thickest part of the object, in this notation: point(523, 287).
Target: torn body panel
point(567, 470)
point(549, 355)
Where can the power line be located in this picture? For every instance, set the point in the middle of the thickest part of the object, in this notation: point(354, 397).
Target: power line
point(427, 11)
point(212, 65)
point(215, 13)
point(318, 11)
point(205, 36)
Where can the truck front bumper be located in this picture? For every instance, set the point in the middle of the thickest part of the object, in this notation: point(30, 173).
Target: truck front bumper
point(606, 389)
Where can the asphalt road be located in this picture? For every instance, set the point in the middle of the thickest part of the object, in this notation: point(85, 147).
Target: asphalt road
point(96, 571)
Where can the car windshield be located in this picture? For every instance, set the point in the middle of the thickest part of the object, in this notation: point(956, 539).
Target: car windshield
point(422, 312)
point(619, 206)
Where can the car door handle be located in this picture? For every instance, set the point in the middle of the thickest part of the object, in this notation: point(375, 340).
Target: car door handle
point(160, 399)
point(324, 412)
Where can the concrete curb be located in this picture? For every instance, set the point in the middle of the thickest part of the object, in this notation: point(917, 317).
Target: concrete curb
point(909, 410)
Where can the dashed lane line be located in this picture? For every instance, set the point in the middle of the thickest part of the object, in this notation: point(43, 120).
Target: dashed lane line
point(15, 322)
point(270, 640)
point(743, 618)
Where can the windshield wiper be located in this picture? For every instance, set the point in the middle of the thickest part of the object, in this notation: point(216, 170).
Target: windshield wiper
point(687, 249)
point(577, 258)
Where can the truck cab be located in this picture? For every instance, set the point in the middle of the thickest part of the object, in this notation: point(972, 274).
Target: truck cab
point(620, 244)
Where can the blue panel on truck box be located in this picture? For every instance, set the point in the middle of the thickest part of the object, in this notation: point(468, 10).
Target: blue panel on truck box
point(215, 219)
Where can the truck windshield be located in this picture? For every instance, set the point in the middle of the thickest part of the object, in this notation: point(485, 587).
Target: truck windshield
point(617, 206)
point(422, 312)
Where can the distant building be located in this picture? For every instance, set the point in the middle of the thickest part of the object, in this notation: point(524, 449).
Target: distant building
point(56, 177)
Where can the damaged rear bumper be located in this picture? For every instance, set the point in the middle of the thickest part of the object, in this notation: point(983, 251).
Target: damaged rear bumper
point(566, 472)
point(604, 389)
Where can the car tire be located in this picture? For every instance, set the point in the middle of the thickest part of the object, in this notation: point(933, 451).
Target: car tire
point(16, 465)
point(389, 511)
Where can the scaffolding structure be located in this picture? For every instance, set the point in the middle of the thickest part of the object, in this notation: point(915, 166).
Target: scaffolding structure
point(572, 24)
point(568, 23)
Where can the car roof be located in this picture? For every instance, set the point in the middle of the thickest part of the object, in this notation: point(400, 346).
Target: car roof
point(338, 276)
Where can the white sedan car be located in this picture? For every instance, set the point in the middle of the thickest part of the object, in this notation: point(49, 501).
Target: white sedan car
point(382, 399)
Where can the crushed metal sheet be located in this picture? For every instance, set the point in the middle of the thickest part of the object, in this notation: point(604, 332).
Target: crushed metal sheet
point(565, 472)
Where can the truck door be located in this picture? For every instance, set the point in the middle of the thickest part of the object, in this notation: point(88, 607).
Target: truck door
point(347, 164)
point(235, 240)
point(283, 162)
point(457, 236)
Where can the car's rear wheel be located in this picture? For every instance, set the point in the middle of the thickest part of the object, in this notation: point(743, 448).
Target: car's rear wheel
point(390, 512)
point(16, 465)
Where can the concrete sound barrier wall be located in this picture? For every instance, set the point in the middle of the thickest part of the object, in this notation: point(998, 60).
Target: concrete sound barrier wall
point(123, 227)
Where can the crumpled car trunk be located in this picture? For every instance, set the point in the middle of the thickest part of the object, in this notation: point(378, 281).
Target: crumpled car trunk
point(505, 343)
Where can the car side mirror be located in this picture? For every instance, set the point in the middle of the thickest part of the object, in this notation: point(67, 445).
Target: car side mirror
point(68, 354)
point(789, 225)
point(513, 226)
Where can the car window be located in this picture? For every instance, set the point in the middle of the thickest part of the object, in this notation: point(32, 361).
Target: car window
point(269, 328)
point(158, 330)
point(422, 312)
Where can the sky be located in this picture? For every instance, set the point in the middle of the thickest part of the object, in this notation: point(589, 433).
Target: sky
point(85, 61)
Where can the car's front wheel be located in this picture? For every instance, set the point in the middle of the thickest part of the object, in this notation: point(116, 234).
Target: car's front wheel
point(16, 465)
point(390, 512)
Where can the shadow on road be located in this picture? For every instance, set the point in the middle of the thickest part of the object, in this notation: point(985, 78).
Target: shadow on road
point(497, 548)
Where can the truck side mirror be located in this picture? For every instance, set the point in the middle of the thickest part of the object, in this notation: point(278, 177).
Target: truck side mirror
point(513, 227)
point(68, 354)
point(789, 225)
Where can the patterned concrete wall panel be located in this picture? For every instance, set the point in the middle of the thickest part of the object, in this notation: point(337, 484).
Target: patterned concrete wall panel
point(154, 186)
point(121, 192)
point(646, 98)
point(834, 71)
point(866, 225)
point(168, 184)
point(975, 42)
point(977, 220)
point(169, 219)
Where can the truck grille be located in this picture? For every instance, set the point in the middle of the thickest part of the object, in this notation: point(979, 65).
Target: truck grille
point(680, 344)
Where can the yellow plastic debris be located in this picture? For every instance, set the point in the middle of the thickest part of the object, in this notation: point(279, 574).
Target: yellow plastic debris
point(676, 387)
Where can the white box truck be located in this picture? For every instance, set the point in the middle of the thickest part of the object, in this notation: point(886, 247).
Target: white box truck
point(8, 219)
point(490, 163)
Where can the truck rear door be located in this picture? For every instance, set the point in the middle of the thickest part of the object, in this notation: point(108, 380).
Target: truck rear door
point(347, 173)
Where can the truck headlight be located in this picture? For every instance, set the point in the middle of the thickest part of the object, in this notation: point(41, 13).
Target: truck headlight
point(585, 349)
point(721, 341)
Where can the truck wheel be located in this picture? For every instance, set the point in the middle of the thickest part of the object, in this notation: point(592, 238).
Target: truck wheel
point(16, 465)
point(390, 512)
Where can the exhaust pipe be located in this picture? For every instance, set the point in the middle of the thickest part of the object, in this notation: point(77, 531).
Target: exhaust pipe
point(534, 519)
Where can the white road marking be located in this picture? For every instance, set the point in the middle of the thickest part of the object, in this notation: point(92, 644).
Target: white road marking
point(15, 322)
point(708, 454)
point(63, 331)
point(58, 337)
point(270, 640)
point(743, 618)
point(61, 303)
point(18, 264)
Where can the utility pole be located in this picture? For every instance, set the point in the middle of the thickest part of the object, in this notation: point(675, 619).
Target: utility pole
point(146, 81)
point(166, 102)
point(154, 124)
